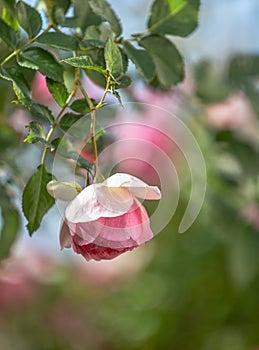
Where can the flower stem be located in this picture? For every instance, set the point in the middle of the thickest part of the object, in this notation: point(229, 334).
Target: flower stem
point(107, 87)
point(97, 172)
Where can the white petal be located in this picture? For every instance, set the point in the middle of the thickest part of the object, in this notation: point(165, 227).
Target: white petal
point(65, 191)
point(136, 186)
point(97, 201)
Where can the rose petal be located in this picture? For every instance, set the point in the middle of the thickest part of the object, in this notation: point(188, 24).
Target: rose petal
point(136, 186)
point(95, 252)
point(65, 236)
point(65, 191)
point(127, 230)
point(97, 201)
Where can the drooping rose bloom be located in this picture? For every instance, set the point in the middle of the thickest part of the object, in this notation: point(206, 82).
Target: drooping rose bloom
point(106, 219)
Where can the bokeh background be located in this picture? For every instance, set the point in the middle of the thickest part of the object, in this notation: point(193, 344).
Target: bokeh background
point(196, 290)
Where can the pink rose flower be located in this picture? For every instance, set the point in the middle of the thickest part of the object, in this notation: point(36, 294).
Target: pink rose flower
point(106, 219)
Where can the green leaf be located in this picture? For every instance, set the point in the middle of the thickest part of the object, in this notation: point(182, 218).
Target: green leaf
point(10, 17)
point(175, 17)
point(57, 10)
point(113, 59)
point(80, 61)
point(66, 149)
point(80, 106)
point(123, 82)
point(58, 91)
point(84, 62)
point(167, 59)
point(142, 60)
point(83, 163)
point(36, 133)
point(83, 16)
point(125, 60)
point(68, 120)
point(41, 111)
point(20, 84)
point(210, 84)
point(98, 134)
point(252, 93)
point(39, 59)
point(10, 229)
point(29, 18)
point(9, 35)
point(103, 9)
point(36, 201)
point(96, 77)
point(243, 68)
point(93, 33)
point(118, 97)
point(59, 41)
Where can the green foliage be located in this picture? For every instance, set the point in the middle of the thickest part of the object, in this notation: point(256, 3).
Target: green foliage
point(243, 74)
point(36, 201)
point(211, 85)
point(20, 84)
point(92, 43)
point(175, 17)
point(57, 10)
point(11, 224)
point(65, 148)
point(113, 59)
point(242, 68)
point(29, 19)
point(43, 61)
point(85, 62)
point(37, 134)
point(83, 17)
point(99, 133)
point(81, 61)
point(58, 91)
point(104, 10)
point(9, 35)
point(142, 60)
point(9, 13)
point(80, 106)
point(169, 65)
point(59, 40)
point(42, 112)
point(68, 120)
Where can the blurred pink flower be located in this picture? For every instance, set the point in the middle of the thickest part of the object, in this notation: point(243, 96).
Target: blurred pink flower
point(251, 215)
point(234, 113)
point(40, 91)
point(138, 143)
point(17, 285)
point(144, 135)
point(18, 120)
point(106, 219)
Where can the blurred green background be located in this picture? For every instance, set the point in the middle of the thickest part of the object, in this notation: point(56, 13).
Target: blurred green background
point(197, 290)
